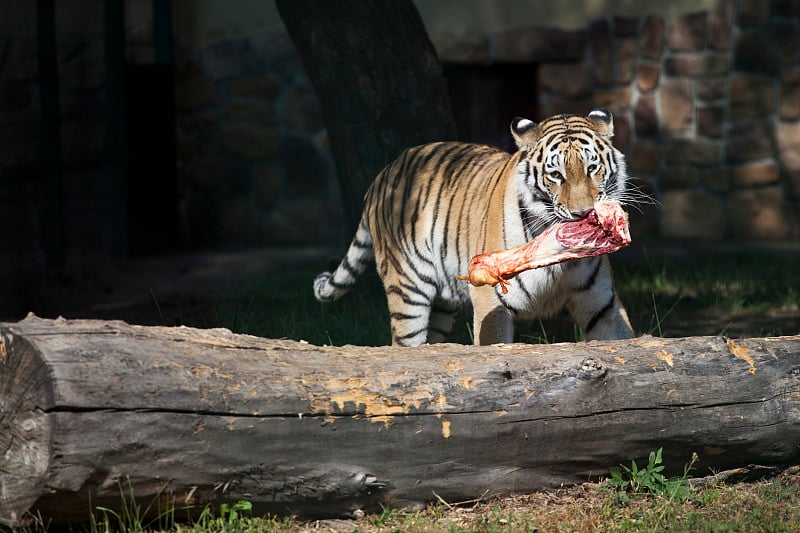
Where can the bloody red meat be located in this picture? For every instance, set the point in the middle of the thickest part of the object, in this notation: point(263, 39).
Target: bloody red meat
point(604, 230)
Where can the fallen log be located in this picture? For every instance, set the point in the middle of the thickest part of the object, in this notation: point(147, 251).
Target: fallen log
point(208, 416)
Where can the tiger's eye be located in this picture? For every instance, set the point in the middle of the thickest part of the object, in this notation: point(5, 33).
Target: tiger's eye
point(591, 169)
point(557, 176)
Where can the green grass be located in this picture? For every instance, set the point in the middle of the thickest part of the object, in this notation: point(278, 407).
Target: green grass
point(741, 295)
point(286, 308)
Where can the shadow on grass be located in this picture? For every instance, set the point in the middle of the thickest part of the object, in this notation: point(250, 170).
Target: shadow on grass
point(739, 296)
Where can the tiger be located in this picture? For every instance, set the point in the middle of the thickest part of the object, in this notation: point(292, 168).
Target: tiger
point(437, 205)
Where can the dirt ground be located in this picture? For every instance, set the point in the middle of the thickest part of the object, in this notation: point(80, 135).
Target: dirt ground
point(164, 290)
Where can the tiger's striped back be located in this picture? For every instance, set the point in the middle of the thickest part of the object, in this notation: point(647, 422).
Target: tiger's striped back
point(426, 206)
point(437, 205)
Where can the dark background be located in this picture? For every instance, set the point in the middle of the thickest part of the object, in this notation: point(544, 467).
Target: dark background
point(175, 131)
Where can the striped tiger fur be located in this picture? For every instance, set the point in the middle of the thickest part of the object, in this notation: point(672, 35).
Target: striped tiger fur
point(437, 205)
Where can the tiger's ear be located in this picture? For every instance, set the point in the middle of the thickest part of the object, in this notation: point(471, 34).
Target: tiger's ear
point(603, 121)
point(525, 132)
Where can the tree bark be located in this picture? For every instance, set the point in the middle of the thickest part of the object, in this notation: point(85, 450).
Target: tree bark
point(378, 79)
point(207, 416)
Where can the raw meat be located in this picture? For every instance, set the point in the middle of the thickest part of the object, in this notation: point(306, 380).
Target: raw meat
point(604, 230)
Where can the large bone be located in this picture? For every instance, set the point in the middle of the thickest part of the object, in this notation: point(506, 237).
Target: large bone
point(603, 231)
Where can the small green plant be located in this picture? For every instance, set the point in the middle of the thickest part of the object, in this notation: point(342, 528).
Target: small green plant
point(671, 492)
point(230, 512)
point(235, 518)
point(650, 479)
point(634, 479)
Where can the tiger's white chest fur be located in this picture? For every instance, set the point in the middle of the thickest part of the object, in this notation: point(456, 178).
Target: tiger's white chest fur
point(538, 293)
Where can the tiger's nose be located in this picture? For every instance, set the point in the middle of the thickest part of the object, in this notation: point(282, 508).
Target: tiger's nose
point(581, 213)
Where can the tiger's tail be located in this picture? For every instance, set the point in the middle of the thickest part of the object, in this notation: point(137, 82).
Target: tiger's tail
point(330, 286)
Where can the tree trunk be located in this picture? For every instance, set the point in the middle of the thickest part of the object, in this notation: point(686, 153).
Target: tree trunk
point(378, 79)
point(208, 416)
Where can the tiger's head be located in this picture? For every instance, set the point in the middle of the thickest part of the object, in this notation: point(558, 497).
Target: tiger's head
point(567, 164)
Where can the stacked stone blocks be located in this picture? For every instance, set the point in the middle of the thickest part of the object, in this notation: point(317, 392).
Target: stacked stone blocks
point(253, 160)
point(707, 107)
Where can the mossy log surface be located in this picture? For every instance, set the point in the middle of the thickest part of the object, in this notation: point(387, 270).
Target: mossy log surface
point(206, 416)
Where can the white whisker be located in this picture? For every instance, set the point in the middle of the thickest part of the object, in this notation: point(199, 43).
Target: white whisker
point(634, 197)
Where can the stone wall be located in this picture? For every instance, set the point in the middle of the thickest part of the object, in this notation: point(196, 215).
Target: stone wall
point(706, 106)
point(719, 121)
point(254, 165)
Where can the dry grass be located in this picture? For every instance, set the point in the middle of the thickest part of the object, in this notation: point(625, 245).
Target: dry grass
point(767, 505)
point(771, 505)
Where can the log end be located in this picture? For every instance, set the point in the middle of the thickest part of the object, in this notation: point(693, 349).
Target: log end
point(25, 426)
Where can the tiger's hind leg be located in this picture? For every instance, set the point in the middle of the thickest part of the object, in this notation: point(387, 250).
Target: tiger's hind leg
point(409, 314)
point(441, 321)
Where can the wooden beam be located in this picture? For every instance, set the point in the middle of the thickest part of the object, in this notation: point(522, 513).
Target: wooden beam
point(88, 405)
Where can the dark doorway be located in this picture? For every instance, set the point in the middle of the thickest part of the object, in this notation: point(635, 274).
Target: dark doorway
point(486, 98)
point(152, 176)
